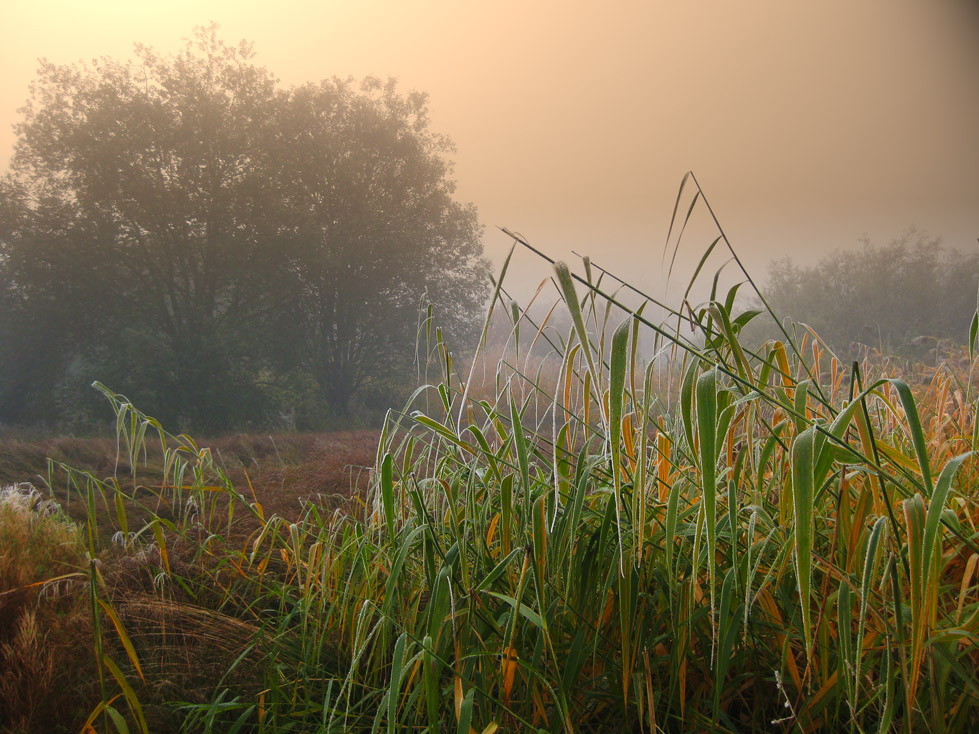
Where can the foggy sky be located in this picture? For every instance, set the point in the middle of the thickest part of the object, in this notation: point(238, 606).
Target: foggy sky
point(808, 124)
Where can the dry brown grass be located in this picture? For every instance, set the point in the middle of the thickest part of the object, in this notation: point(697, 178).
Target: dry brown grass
point(37, 543)
point(45, 661)
point(284, 471)
point(48, 678)
point(333, 473)
point(24, 459)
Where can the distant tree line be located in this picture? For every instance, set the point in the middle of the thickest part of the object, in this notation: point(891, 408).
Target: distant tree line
point(220, 249)
point(896, 298)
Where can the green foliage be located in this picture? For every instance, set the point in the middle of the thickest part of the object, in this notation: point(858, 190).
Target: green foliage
point(733, 540)
point(755, 550)
point(184, 228)
point(897, 298)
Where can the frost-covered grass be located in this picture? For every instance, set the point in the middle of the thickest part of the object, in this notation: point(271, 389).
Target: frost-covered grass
point(720, 539)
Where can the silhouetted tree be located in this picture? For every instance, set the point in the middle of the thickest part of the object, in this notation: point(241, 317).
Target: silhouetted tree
point(188, 231)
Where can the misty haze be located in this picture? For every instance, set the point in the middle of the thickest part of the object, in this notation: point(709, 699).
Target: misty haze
point(446, 367)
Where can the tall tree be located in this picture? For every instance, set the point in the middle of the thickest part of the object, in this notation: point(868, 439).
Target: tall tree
point(214, 233)
point(374, 229)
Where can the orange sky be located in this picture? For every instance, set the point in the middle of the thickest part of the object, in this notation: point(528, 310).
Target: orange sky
point(807, 123)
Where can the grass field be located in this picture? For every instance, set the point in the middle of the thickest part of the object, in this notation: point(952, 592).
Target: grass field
point(718, 539)
point(284, 469)
point(48, 674)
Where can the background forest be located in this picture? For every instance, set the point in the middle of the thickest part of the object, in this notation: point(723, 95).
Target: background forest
point(906, 298)
point(228, 252)
point(233, 254)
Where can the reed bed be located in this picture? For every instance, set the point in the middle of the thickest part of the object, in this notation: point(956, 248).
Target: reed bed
point(701, 537)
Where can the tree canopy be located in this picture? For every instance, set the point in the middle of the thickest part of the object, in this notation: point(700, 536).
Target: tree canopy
point(218, 247)
point(896, 298)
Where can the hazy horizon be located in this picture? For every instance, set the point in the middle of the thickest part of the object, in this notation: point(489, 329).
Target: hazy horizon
point(807, 126)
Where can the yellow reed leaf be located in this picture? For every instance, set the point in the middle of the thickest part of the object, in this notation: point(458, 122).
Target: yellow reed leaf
point(509, 669)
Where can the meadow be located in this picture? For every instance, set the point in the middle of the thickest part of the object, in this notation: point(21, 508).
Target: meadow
point(584, 537)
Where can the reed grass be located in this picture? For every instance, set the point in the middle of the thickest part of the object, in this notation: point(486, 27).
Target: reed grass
point(707, 538)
